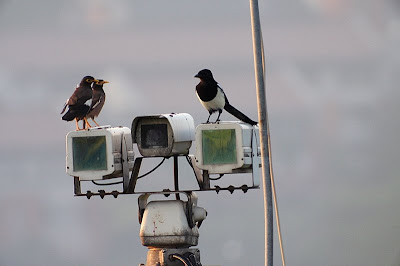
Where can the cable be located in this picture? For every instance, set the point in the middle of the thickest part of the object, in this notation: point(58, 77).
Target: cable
point(152, 170)
point(217, 178)
point(120, 182)
point(107, 184)
point(271, 172)
point(188, 160)
point(181, 259)
point(190, 163)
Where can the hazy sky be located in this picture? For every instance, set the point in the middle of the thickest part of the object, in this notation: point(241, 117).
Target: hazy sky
point(332, 75)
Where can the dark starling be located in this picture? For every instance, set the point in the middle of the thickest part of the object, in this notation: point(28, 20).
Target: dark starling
point(213, 98)
point(77, 109)
point(98, 99)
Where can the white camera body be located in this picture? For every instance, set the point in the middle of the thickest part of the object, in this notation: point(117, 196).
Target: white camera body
point(163, 135)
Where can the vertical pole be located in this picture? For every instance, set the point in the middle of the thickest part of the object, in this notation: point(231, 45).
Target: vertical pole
point(176, 181)
point(77, 186)
point(263, 124)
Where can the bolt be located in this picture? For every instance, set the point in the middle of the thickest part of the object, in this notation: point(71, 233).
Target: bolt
point(89, 194)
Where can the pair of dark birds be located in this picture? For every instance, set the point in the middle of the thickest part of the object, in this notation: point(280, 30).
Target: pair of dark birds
point(88, 89)
point(209, 92)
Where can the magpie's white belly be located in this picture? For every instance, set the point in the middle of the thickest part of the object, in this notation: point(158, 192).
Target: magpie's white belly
point(218, 103)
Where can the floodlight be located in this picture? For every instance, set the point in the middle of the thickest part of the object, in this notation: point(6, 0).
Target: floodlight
point(98, 153)
point(227, 147)
point(163, 135)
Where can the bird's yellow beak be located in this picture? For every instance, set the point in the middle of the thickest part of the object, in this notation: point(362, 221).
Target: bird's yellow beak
point(104, 82)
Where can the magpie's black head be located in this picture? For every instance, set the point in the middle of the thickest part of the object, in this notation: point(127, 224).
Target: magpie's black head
point(88, 80)
point(205, 74)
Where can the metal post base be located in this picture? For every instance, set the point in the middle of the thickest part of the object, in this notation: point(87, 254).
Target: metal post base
point(172, 257)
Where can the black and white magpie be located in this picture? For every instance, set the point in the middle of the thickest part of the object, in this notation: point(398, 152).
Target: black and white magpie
point(213, 98)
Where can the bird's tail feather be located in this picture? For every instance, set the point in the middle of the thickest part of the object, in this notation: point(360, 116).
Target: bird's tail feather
point(68, 116)
point(239, 115)
point(65, 107)
point(78, 112)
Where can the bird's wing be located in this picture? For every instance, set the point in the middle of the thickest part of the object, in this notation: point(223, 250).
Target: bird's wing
point(80, 96)
point(74, 111)
point(96, 101)
point(226, 99)
point(74, 97)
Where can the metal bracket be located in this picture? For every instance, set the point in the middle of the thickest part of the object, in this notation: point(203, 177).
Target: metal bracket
point(125, 163)
point(77, 185)
point(134, 175)
point(255, 158)
point(192, 202)
point(202, 179)
point(142, 203)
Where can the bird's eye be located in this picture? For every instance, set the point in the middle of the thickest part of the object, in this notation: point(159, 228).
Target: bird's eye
point(89, 80)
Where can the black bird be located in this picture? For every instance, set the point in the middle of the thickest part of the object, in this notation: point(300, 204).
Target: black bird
point(98, 99)
point(213, 98)
point(77, 109)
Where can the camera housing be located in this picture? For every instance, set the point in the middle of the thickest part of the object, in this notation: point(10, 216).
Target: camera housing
point(163, 135)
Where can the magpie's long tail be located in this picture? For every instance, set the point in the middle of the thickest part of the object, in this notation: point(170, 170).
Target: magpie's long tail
point(239, 115)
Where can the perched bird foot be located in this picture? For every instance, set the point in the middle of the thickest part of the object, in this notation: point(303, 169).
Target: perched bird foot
point(95, 122)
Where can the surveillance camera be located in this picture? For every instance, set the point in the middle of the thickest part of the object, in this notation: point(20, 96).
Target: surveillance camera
point(163, 135)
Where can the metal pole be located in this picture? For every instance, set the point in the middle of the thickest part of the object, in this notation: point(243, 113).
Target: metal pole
point(263, 124)
point(176, 180)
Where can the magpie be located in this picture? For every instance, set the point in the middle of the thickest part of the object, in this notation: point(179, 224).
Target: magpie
point(77, 109)
point(98, 99)
point(213, 98)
